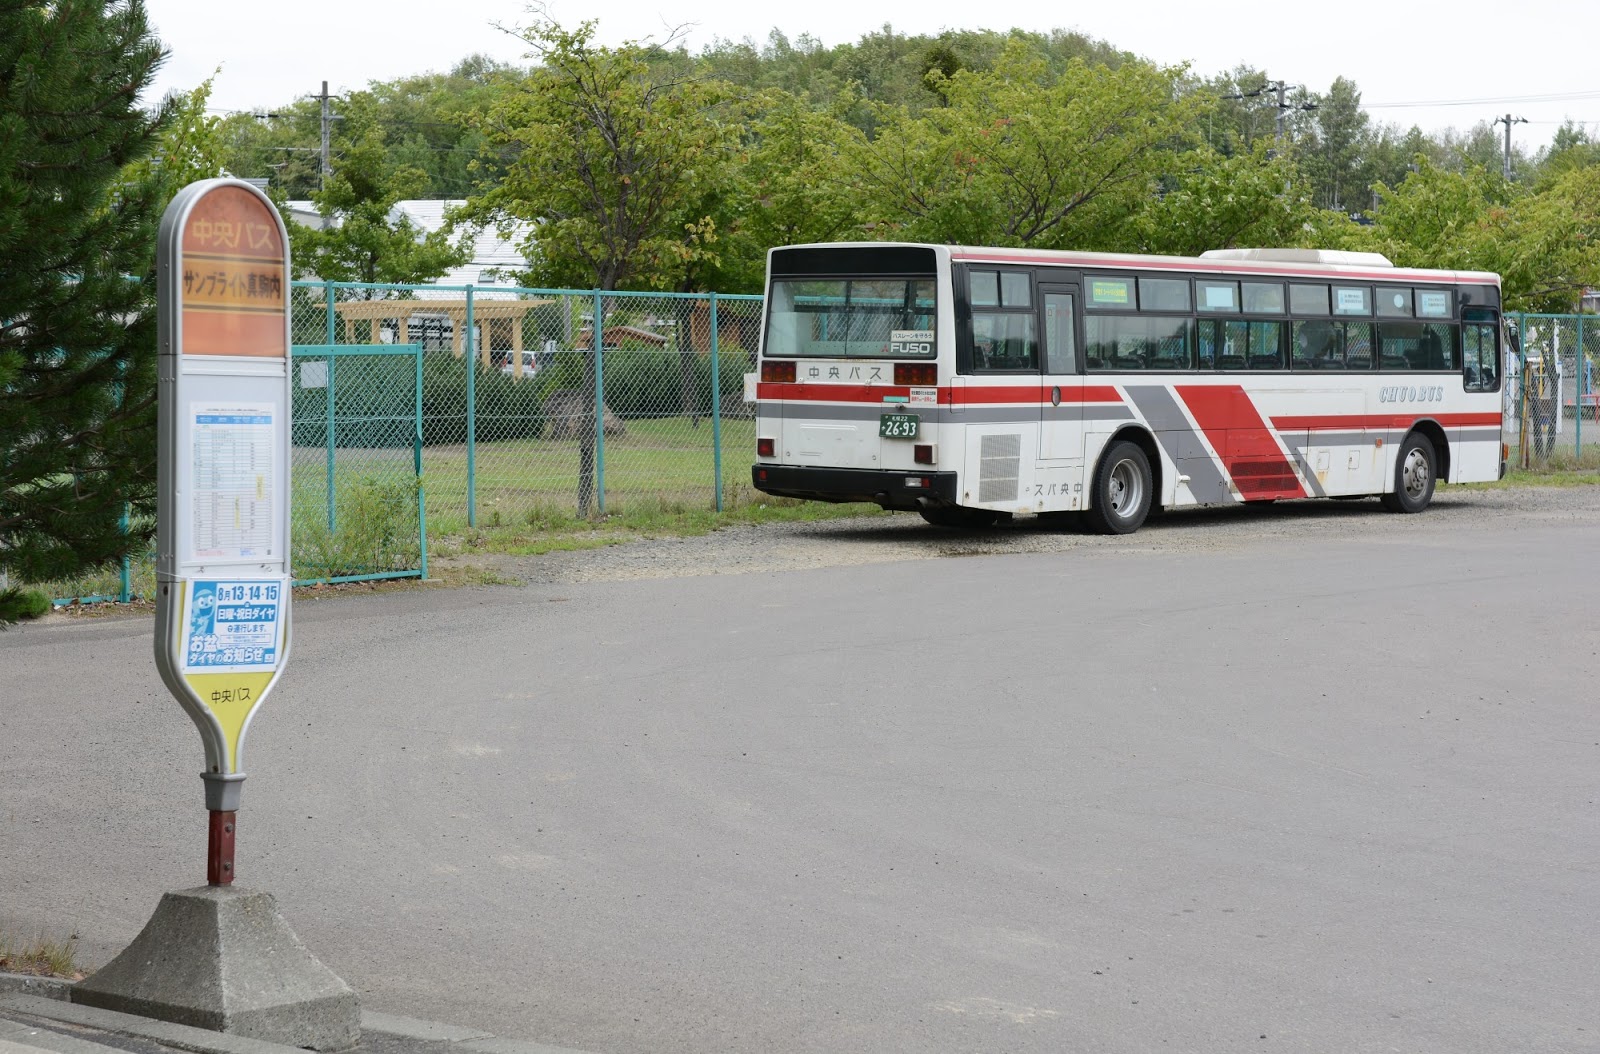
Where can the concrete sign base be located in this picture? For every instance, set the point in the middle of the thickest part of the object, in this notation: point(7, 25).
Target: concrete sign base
point(222, 958)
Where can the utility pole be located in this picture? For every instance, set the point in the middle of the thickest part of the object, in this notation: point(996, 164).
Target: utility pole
point(1508, 121)
point(1280, 88)
point(327, 124)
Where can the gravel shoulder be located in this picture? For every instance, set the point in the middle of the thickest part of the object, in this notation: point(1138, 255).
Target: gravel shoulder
point(790, 546)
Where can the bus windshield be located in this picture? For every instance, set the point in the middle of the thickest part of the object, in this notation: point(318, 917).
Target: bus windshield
point(851, 317)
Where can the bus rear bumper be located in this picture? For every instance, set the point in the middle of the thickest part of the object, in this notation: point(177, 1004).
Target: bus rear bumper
point(906, 490)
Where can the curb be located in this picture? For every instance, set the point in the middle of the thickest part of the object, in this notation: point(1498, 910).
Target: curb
point(51, 1004)
point(27, 984)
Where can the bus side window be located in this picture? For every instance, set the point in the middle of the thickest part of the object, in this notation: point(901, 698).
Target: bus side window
point(1003, 342)
point(1358, 345)
point(1316, 346)
point(1478, 373)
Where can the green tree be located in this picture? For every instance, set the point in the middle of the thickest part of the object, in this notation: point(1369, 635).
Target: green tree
point(190, 148)
point(1022, 157)
point(793, 185)
point(77, 326)
point(1334, 152)
point(1218, 202)
point(608, 156)
point(1545, 244)
point(282, 145)
point(1571, 148)
point(363, 240)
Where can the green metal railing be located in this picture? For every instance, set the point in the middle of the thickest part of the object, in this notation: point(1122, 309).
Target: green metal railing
point(372, 519)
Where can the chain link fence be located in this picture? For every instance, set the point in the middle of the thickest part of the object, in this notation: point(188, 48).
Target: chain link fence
point(522, 423)
point(433, 409)
point(358, 508)
point(1552, 407)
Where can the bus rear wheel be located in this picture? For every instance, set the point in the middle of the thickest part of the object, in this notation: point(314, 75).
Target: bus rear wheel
point(956, 516)
point(1414, 475)
point(1123, 490)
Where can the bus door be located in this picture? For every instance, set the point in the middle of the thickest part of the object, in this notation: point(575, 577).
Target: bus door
point(1061, 408)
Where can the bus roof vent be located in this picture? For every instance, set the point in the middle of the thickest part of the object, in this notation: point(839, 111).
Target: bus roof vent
point(1303, 256)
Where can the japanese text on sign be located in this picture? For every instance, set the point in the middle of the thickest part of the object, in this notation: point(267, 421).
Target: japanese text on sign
point(232, 625)
point(234, 284)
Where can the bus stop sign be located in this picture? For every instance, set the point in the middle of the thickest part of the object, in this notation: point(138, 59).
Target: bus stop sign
point(222, 534)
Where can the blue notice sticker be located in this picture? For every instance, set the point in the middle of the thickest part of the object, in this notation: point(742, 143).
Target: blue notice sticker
point(233, 624)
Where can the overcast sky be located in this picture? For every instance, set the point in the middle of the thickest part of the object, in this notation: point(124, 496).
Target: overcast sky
point(1534, 59)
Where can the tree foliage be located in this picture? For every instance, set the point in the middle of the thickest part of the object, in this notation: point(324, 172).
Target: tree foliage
point(362, 239)
point(613, 158)
point(1214, 201)
point(1023, 156)
point(648, 166)
point(77, 325)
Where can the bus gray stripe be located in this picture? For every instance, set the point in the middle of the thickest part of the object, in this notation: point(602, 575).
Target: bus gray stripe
point(1162, 413)
point(1305, 471)
point(1333, 438)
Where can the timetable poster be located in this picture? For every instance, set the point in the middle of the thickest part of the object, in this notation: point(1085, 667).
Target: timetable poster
point(233, 470)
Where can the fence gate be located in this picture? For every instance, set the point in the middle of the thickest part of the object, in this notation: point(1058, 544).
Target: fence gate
point(359, 510)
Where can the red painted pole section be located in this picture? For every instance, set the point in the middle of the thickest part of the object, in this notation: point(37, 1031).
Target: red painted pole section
point(219, 854)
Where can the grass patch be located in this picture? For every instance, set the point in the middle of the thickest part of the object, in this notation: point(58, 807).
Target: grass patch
point(40, 957)
point(550, 530)
point(1516, 477)
point(17, 604)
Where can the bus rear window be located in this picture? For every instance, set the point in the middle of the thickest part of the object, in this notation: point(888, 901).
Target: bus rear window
point(851, 318)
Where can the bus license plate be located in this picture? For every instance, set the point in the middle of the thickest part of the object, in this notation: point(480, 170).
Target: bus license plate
point(898, 426)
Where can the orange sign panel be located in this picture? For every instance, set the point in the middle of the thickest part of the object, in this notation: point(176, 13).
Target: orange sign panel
point(235, 288)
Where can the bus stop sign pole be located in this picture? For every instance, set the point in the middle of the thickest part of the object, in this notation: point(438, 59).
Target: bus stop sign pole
point(218, 956)
point(222, 529)
point(222, 598)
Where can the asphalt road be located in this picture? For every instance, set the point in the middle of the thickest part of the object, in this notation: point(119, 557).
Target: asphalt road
point(1316, 779)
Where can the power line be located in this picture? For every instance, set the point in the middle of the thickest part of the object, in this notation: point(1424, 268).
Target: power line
point(1488, 101)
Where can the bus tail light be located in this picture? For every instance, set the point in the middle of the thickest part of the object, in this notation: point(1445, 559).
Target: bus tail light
point(922, 374)
point(766, 447)
point(922, 453)
point(778, 372)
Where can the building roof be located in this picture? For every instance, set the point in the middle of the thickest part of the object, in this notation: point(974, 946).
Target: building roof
point(490, 250)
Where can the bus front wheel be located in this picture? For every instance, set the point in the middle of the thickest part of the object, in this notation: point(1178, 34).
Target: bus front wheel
point(1414, 475)
point(1123, 490)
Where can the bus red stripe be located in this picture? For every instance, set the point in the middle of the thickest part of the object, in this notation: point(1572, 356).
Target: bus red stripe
point(829, 393)
point(972, 395)
point(985, 395)
point(1236, 431)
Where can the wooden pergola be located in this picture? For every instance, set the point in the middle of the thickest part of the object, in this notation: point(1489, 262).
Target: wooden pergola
point(483, 311)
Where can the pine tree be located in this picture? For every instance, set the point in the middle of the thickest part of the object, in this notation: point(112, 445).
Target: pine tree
point(77, 268)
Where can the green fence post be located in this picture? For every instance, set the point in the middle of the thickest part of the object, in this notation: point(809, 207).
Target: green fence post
point(327, 296)
point(126, 593)
point(470, 344)
point(599, 344)
point(422, 496)
point(716, 409)
point(1522, 390)
point(1577, 400)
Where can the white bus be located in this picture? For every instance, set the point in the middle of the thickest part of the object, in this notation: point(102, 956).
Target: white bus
point(970, 384)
